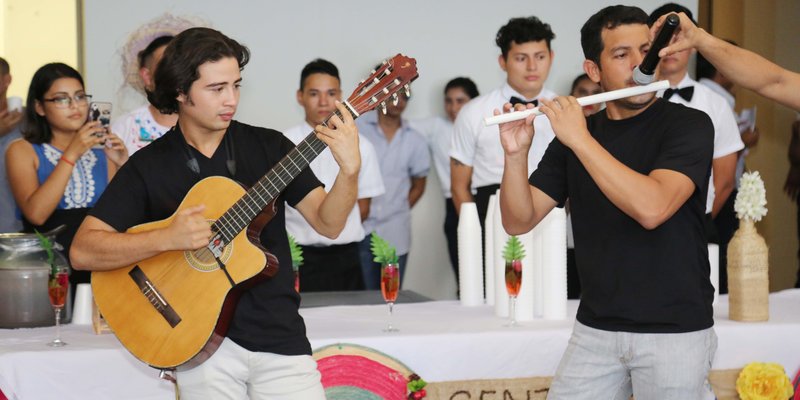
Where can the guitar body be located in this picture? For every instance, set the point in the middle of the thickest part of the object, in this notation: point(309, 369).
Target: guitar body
point(173, 309)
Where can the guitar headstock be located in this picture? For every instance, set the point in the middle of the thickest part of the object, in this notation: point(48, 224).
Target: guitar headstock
point(384, 83)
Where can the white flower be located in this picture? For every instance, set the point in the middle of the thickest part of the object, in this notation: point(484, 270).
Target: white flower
point(751, 202)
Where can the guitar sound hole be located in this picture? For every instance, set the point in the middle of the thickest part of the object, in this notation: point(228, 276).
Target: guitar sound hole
point(203, 259)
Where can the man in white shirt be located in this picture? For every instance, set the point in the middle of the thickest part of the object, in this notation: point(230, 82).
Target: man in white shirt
point(438, 131)
point(476, 154)
point(330, 264)
point(727, 142)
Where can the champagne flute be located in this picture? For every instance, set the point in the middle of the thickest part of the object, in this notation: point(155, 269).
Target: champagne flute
point(513, 284)
point(390, 286)
point(57, 287)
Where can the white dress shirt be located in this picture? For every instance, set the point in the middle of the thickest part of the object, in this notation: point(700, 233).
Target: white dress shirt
point(370, 184)
point(478, 145)
point(742, 128)
point(726, 131)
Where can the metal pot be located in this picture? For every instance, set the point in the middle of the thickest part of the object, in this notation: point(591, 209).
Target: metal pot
point(24, 272)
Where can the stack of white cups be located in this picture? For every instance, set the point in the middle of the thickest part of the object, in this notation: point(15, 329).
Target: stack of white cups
point(554, 265)
point(488, 259)
point(82, 312)
point(470, 256)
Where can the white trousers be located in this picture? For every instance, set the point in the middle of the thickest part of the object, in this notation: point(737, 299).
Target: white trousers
point(236, 373)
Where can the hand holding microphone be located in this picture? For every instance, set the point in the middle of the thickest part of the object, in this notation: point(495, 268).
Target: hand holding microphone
point(645, 73)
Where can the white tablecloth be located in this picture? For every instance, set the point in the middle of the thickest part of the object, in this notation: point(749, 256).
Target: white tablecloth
point(441, 341)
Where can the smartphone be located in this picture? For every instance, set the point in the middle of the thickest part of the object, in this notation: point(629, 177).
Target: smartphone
point(100, 111)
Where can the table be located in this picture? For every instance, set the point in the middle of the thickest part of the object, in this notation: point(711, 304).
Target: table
point(441, 341)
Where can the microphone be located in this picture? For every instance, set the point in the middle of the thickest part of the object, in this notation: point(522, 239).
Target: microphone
point(644, 73)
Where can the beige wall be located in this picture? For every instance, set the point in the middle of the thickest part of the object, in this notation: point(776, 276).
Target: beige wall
point(36, 32)
point(770, 28)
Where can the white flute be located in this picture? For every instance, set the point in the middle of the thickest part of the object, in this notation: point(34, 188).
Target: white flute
point(583, 101)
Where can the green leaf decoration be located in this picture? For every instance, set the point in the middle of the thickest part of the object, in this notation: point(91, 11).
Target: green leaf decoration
point(416, 385)
point(384, 252)
point(296, 251)
point(513, 249)
point(47, 245)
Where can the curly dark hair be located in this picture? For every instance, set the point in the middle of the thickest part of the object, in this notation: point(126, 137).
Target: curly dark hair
point(178, 68)
point(523, 30)
point(37, 129)
point(607, 18)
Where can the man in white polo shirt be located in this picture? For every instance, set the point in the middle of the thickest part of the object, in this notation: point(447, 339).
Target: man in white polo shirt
point(476, 156)
point(330, 264)
point(727, 142)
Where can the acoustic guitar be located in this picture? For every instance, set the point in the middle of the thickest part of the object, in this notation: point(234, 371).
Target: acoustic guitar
point(173, 309)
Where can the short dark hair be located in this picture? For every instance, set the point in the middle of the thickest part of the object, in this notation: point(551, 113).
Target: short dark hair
point(607, 18)
point(178, 68)
point(37, 130)
point(578, 80)
point(523, 30)
point(704, 68)
point(464, 83)
point(144, 55)
point(318, 66)
point(4, 67)
point(666, 9)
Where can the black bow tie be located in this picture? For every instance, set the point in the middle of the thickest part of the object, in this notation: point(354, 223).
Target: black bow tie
point(516, 100)
point(686, 93)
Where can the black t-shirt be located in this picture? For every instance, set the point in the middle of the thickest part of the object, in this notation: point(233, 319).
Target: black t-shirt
point(151, 185)
point(634, 279)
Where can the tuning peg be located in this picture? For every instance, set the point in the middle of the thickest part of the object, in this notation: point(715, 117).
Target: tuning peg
point(374, 99)
point(395, 99)
point(385, 90)
point(383, 107)
point(362, 82)
point(376, 80)
point(396, 82)
point(407, 90)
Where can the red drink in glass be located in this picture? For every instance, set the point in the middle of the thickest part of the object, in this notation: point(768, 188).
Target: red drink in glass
point(57, 289)
point(390, 282)
point(513, 277)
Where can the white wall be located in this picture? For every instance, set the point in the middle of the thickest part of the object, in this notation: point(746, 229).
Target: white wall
point(448, 38)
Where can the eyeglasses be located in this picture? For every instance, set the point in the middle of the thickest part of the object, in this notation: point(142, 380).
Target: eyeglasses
point(64, 101)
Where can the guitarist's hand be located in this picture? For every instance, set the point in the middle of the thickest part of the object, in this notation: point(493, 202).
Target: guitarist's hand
point(342, 138)
point(189, 230)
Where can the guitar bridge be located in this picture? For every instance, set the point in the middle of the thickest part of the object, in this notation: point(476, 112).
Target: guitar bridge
point(155, 298)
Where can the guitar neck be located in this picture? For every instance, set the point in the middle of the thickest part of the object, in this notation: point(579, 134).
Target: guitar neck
point(270, 186)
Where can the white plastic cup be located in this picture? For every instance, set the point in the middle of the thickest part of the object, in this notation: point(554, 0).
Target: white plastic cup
point(82, 312)
point(14, 103)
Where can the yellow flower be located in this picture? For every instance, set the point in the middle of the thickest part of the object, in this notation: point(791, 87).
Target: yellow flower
point(764, 381)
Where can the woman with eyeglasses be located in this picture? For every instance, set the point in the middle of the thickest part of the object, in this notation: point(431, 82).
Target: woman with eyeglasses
point(63, 164)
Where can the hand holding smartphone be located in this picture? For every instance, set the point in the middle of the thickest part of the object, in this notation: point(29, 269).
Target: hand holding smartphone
point(100, 111)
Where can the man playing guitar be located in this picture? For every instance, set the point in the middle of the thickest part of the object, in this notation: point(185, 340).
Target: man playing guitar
point(265, 352)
